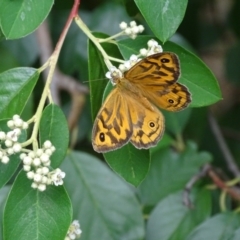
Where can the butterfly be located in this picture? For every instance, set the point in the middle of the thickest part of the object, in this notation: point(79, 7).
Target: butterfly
point(130, 113)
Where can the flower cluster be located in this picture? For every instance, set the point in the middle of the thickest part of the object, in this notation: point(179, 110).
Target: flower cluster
point(9, 140)
point(117, 73)
point(132, 30)
point(37, 163)
point(74, 231)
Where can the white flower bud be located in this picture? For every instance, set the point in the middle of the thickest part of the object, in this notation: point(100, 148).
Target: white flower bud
point(34, 185)
point(10, 151)
point(17, 147)
point(133, 24)
point(36, 162)
point(39, 171)
point(53, 149)
point(143, 52)
point(32, 154)
point(37, 178)
point(15, 117)
point(18, 122)
point(25, 125)
point(128, 31)
point(48, 152)
point(47, 164)
point(45, 170)
point(44, 180)
point(30, 175)
point(135, 30)
point(2, 135)
point(10, 124)
point(140, 28)
point(44, 158)
point(27, 160)
point(5, 159)
point(26, 168)
point(8, 143)
point(22, 156)
point(123, 25)
point(39, 152)
point(47, 144)
point(41, 187)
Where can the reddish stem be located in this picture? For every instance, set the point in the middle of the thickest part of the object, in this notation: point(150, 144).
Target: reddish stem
point(72, 15)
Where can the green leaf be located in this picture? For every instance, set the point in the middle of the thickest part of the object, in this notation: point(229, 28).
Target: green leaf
point(7, 170)
point(102, 202)
point(194, 73)
point(19, 18)
point(176, 121)
point(163, 17)
point(170, 219)
point(130, 163)
point(30, 214)
point(177, 168)
point(54, 127)
point(3, 196)
point(27, 47)
point(236, 235)
point(221, 226)
point(16, 86)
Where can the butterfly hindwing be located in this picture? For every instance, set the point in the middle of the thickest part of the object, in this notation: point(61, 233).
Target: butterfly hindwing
point(112, 127)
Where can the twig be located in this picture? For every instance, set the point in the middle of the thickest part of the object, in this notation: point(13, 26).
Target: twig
point(186, 198)
point(232, 166)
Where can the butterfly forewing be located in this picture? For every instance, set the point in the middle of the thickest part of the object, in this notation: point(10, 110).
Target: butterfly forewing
point(160, 68)
point(156, 77)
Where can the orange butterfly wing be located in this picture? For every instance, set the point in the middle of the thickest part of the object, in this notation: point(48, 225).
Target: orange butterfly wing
point(156, 77)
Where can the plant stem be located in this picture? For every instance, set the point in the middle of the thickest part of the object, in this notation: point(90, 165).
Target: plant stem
point(52, 64)
point(86, 30)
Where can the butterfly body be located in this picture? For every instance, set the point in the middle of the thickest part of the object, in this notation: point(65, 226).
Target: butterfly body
point(130, 114)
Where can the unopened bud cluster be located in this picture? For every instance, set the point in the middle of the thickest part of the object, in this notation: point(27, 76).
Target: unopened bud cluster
point(9, 140)
point(37, 163)
point(74, 231)
point(132, 30)
point(114, 74)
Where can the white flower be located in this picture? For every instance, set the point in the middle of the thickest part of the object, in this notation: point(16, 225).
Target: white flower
point(114, 74)
point(32, 154)
point(74, 231)
point(57, 177)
